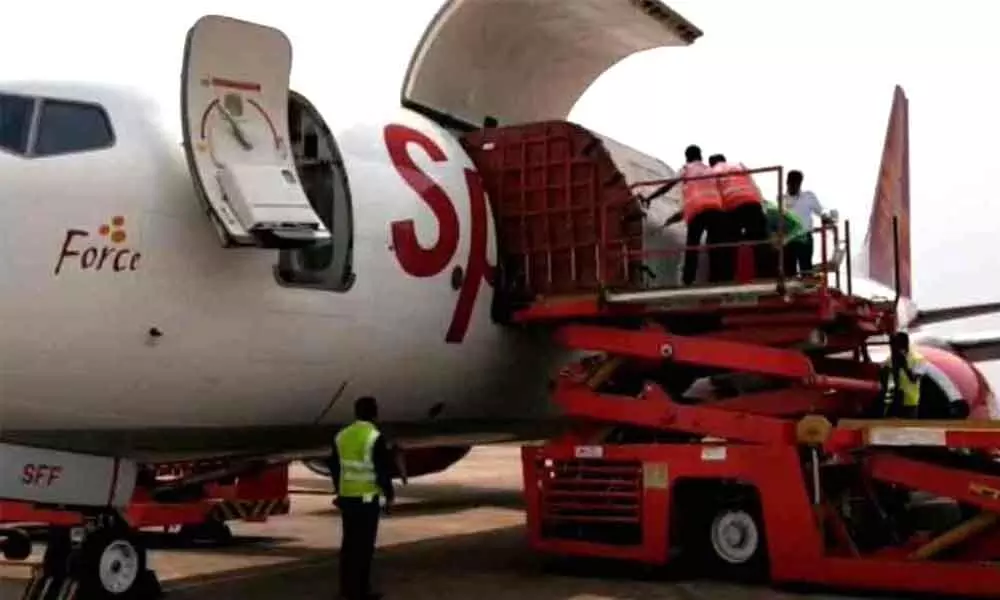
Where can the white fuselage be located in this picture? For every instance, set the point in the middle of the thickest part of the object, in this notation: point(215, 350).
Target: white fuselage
point(236, 351)
point(165, 342)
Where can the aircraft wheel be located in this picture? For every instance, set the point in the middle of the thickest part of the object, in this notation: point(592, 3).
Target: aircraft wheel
point(111, 564)
point(219, 531)
point(210, 531)
point(15, 544)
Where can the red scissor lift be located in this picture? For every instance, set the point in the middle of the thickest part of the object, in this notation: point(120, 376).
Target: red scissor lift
point(773, 473)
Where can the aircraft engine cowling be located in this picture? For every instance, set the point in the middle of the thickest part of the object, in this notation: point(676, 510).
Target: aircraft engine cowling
point(417, 461)
point(950, 369)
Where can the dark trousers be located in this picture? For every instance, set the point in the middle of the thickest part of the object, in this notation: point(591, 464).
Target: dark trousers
point(748, 224)
point(712, 225)
point(798, 257)
point(357, 547)
point(806, 256)
point(803, 255)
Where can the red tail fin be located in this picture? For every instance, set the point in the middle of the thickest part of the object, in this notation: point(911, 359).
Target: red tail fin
point(892, 199)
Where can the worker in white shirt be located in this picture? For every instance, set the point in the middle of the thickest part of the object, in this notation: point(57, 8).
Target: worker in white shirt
point(804, 205)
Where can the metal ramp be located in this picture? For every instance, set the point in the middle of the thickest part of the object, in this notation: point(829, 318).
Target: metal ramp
point(695, 296)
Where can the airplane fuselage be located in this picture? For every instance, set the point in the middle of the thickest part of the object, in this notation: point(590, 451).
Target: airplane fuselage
point(128, 327)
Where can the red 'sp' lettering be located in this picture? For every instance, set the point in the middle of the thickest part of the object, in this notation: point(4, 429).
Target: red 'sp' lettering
point(422, 262)
point(414, 258)
point(478, 268)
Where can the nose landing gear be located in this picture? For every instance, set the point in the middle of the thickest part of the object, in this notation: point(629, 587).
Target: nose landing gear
point(103, 560)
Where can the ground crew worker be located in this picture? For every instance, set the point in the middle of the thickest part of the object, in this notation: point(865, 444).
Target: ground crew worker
point(741, 202)
point(805, 205)
point(702, 212)
point(900, 378)
point(361, 468)
point(795, 234)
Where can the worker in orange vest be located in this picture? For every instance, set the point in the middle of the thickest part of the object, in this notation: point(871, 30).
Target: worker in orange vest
point(742, 203)
point(702, 212)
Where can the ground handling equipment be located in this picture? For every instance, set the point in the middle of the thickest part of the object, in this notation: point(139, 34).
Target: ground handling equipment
point(777, 474)
point(727, 423)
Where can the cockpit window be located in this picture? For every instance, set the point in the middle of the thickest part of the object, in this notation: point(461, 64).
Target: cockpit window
point(15, 122)
point(65, 127)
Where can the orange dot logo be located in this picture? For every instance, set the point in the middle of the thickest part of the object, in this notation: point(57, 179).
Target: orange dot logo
point(116, 230)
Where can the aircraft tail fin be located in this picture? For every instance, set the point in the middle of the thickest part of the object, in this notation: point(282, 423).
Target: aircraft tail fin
point(892, 199)
point(876, 260)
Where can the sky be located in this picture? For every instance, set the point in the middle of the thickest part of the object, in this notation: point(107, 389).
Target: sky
point(804, 84)
point(809, 85)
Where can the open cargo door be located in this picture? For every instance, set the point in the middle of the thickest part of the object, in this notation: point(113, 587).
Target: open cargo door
point(523, 61)
point(234, 106)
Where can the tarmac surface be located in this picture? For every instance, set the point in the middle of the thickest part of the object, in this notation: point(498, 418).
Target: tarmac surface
point(458, 534)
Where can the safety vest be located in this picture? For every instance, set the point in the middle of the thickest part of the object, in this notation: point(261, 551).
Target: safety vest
point(736, 189)
point(701, 194)
point(357, 468)
point(910, 388)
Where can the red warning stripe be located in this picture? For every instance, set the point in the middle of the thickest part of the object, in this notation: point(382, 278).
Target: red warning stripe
point(246, 86)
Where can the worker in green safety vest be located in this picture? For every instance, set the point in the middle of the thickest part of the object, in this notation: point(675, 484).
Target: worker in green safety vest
point(796, 236)
point(900, 378)
point(361, 469)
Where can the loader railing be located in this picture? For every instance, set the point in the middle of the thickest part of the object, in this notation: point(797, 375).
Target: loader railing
point(596, 236)
point(831, 249)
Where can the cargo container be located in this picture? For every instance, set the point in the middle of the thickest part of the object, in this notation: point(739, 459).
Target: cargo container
point(565, 204)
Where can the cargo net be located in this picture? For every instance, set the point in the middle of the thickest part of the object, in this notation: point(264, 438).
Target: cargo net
point(574, 215)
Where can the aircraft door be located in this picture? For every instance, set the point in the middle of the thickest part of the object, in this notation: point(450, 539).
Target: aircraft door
point(234, 107)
